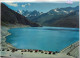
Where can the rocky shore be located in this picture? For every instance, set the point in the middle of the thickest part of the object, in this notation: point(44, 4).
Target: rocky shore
point(4, 33)
point(72, 50)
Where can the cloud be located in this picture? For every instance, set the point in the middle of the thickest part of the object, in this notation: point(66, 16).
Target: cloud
point(33, 0)
point(13, 4)
point(28, 4)
point(24, 5)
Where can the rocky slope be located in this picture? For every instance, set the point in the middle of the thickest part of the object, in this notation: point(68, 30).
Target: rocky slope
point(30, 14)
point(9, 16)
point(70, 20)
point(50, 18)
point(59, 17)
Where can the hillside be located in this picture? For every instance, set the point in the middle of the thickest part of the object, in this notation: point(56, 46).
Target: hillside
point(30, 14)
point(59, 17)
point(70, 20)
point(9, 16)
point(51, 17)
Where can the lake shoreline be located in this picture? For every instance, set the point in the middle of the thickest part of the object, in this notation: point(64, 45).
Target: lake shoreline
point(5, 33)
point(6, 45)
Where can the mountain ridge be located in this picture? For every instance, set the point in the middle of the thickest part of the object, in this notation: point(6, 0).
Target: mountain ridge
point(8, 16)
point(53, 16)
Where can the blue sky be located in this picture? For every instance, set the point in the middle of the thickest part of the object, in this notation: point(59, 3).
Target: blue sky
point(42, 7)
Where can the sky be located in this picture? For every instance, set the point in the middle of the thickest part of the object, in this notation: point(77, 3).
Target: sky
point(35, 0)
point(39, 6)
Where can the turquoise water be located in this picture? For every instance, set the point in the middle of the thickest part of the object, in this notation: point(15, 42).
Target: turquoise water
point(43, 38)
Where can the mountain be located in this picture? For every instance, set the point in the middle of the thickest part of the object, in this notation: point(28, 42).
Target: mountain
point(61, 17)
point(55, 16)
point(30, 14)
point(70, 20)
point(9, 16)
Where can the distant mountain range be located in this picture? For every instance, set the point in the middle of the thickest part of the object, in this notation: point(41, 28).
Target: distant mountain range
point(9, 16)
point(70, 20)
point(60, 17)
point(30, 14)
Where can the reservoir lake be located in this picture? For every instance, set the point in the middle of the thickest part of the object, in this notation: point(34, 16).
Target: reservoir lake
point(43, 38)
